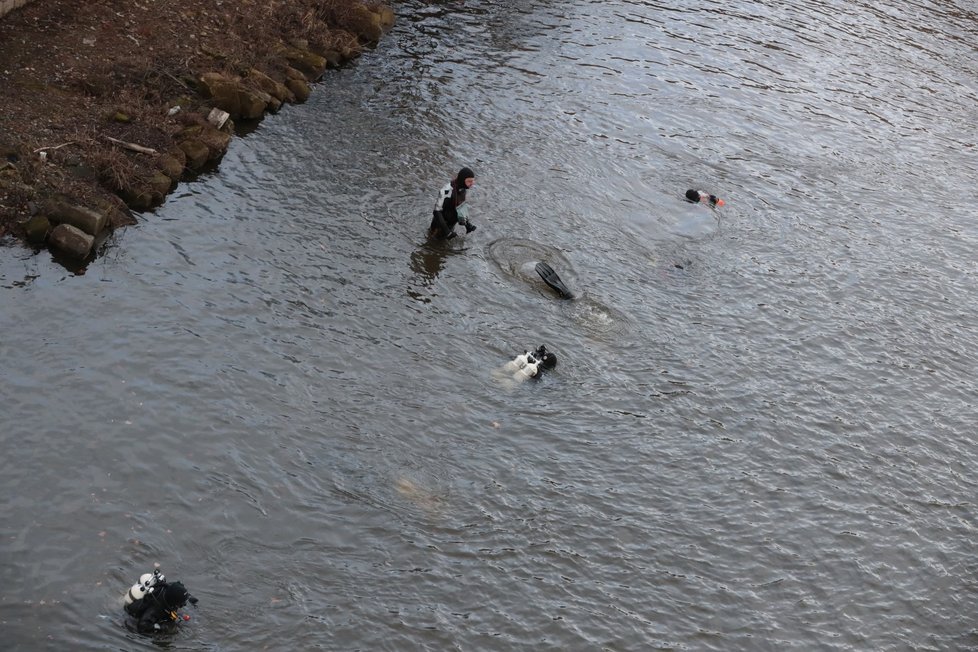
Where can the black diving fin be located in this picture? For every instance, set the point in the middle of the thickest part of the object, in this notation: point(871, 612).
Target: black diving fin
point(550, 277)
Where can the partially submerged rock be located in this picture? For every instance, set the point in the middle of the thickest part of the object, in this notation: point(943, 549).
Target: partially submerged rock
point(71, 242)
point(36, 229)
point(308, 63)
point(148, 192)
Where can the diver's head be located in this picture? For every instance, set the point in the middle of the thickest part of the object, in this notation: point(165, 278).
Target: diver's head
point(546, 359)
point(175, 596)
point(465, 179)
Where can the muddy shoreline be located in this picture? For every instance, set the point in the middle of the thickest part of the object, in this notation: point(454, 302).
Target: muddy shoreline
point(109, 105)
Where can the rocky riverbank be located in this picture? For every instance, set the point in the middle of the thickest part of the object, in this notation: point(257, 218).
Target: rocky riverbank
point(108, 104)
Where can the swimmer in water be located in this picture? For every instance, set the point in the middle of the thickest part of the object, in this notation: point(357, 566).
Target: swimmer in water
point(697, 196)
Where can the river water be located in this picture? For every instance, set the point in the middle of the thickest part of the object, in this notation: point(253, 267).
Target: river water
point(761, 431)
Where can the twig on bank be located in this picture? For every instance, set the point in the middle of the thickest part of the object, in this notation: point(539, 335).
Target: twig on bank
point(44, 149)
point(132, 146)
point(182, 83)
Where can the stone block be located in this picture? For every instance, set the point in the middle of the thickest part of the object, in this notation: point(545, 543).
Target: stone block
point(71, 241)
point(85, 219)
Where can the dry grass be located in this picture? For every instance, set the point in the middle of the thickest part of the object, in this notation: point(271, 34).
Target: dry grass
point(112, 166)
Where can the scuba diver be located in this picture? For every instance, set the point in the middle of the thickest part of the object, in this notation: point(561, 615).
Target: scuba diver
point(696, 196)
point(153, 602)
point(530, 365)
point(450, 209)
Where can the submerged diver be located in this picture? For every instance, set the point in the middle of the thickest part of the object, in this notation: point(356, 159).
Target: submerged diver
point(153, 602)
point(450, 209)
point(696, 196)
point(530, 365)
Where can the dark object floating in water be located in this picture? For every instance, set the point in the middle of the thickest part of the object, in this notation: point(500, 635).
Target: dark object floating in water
point(703, 196)
point(550, 277)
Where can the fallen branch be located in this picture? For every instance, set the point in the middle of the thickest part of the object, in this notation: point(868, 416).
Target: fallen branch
point(44, 149)
point(133, 146)
point(182, 83)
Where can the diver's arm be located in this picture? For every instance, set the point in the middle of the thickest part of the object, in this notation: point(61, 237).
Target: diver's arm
point(147, 622)
point(463, 217)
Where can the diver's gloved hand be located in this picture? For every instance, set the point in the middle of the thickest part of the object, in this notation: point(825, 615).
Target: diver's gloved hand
point(469, 227)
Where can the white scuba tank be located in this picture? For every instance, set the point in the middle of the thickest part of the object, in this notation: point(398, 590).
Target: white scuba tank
point(145, 585)
point(518, 362)
point(528, 371)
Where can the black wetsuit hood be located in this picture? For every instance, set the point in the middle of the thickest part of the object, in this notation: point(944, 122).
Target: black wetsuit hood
point(458, 185)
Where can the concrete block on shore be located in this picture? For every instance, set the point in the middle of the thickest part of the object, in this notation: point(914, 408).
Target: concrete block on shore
point(299, 88)
point(308, 63)
point(36, 229)
point(218, 118)
point(87, 220)
point(196, 152)
point(71, 241)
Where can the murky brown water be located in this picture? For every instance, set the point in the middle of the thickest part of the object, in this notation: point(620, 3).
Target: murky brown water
point(760, 435)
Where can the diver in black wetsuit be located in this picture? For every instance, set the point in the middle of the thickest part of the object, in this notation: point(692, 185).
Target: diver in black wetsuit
point(450, 209)
point(153, 602)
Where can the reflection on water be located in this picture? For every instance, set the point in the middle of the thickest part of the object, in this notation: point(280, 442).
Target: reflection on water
point(277, 390)
point(426, 262)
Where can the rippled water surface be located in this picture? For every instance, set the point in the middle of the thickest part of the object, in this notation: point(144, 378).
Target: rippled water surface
point(761, 431)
